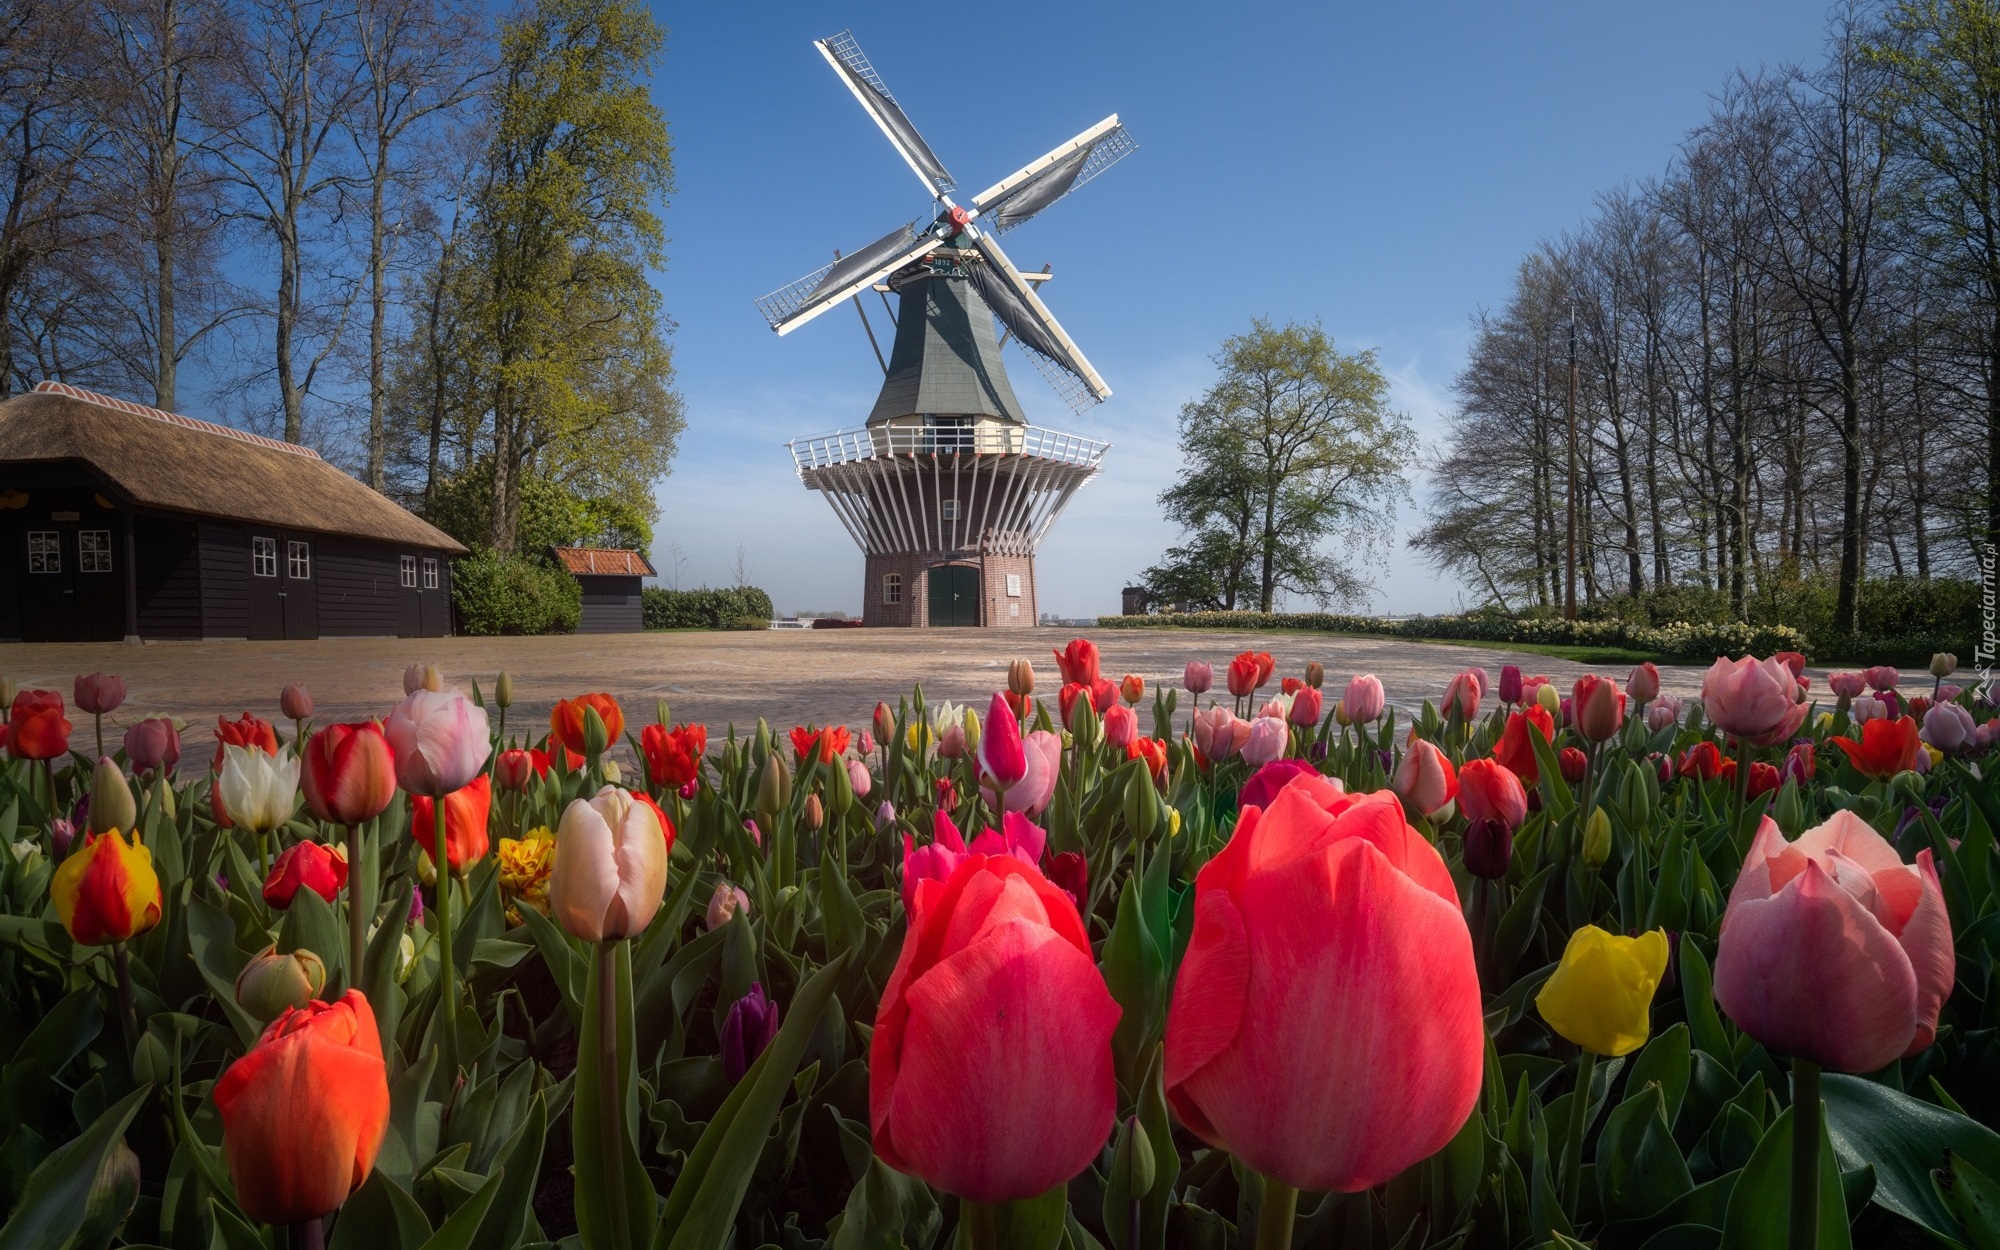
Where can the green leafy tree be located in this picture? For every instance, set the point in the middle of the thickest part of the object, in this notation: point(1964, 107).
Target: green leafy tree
point(1295, 445)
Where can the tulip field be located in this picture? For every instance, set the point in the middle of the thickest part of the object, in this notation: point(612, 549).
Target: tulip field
point(1253, 961)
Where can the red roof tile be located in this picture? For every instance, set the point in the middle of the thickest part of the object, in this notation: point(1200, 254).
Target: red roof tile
point(612, 561)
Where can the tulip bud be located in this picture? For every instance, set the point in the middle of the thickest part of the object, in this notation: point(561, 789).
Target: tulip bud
point(815, 813)
point(1788, 811)
point(272, 984)
point(1597, 838)
point(839, 787)
point(613, 774)
point(1315, 674)
point(885, 816)
point(99, 693)
point(111, 804)
point(1545, 694)
point(1142, 804)
point(1599, 708)
point(1489, 847)
point(1510, 683)
point(1198, 677)
point(1131, 1161)
point(295, 701)
point(774, 787)
point(724, 904)
point(1643, 683)
point(503, 689)
point(1574, 764)
point(750, 1027)
point(885, 723)
point(1943, 665)
point(1021, 678)
point(1340, 713)
point(859, 780)
point(7, 691)
point(595, 736)
point(1132, 688)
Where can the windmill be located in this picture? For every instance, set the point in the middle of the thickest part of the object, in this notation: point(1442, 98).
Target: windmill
point(946, 487)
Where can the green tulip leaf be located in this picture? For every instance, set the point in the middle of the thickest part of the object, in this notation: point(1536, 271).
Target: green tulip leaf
point(380, 1213)
point(1698, 996)
point(457, 1232)
point(1760, 1207)
point(1034, 1223)
point(1973, 1197)
point(615, 1201)
point(520, 1157)
point(233, 1232)
point(1667, 1060)
point(310, 924)
point(886, 1210)
point(702, 1205)
point(76, 1181)
point(1639, 1168)
point(1135, 971)
point(1905, 1138)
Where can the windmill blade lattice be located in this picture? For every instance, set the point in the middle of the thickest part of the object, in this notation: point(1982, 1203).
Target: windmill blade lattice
point(1040, 183)
point(851, 63)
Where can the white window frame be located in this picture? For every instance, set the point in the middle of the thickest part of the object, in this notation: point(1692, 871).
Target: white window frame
point(1013, 585)
point(298, 560)
point(430, 573)
point(89, 557)
point(263, 556)
point(409, 572)
point(45, 547)
point(892, 588)
point(948, 509)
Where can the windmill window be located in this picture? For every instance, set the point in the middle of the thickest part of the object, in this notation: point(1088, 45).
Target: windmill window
point(93, 551)
point(949, 509)
point(410, 572)
point(430, 574)
point(45, 551)
point(1014, 585)
point(298, 561)
point(892, 587)
point(264, 557)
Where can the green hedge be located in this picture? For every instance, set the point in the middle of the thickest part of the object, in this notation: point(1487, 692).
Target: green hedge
point(1681, 640)
point(499, 593)
point(743, 607)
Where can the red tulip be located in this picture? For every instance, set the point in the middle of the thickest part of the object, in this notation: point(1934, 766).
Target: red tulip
point(1515, 750)
point(1151, 750)
point(1002, 755)
point(1121, 725)
point(36, 726)
point(1132, 688)
point(1102, 696)
point(566, 720)
point(1833, 949)
point(304, 1112)
point(1489, 848)
point(99, 693)
point(513, 769)
point(1462, 694)
point(1242, 675)
point(1078, 662)
point(306, 865)
point(1764, 779)
point(990, 1072)
point(831, 742)
point(1306, 707)
point(1291, 685)
point(245, 731)
point(1702, 762)
point(673, 757)
point(1325, 1026)
point(1887, 747)
point(349, 774)
point(1799, 764)
point(1600, 708)
point(1070, 872)
point(465, 813)
point(1792, 660)
point(1489, 791)
point(1574, 764)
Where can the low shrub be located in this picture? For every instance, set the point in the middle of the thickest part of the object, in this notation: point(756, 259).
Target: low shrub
point(724, 608)
point(503, 593)
point(1680, 640)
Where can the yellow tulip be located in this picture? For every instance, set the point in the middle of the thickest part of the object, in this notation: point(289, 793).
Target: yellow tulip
point(1601, 994)
point(107, 891)
point(525, 865)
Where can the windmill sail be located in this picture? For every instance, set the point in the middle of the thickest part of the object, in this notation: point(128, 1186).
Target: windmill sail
point(1055, 354)
point(847, 59)
point(796, 303)
point(1040, 183)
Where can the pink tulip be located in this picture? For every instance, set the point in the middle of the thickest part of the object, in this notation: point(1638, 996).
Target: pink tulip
point(933, 861)
point(1032, 792)
point(1643, 683)
point(1306, 707)
point(1462, 694)
point(153, 743)
point(1946, 692)
point(859, 779)
point(1121, 725)
point(1364, 700)
point(1266, 741)
point(1489, 790)
point(1833, 949)
point(951, 743)
point(1424, 779)
point(724, 904)
point(1751, 698)
point(1198, 677)
point(440, 740)
point(1218, 734)
point(1882, 677)
point(1661, 712)
point(295, 701)
point(1846, 685)
point(611, 869)
point(1325, 1027)
point(1001, 755)
point(99, 693)
point(1865, 709)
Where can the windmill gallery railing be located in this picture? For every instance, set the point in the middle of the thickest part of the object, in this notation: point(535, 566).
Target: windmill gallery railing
point(845, 446)
point(944, 490)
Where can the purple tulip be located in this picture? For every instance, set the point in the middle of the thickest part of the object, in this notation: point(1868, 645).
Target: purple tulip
point(750, 1026)
point(1510, 683)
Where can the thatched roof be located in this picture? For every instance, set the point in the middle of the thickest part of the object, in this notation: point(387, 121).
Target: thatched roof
point(167, 461)
point(603, 561)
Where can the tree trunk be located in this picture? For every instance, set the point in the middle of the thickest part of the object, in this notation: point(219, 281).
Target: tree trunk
point(1847, 602)
point(378, 299)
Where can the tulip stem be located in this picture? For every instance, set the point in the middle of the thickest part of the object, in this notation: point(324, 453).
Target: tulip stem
point(1579, 1120)
point(98, 718)
point(357, 909)
point(612, 1084)
point(982, 1224)
point(447, 983)
point(1274, 1215)
point(1742, 793)
point(309, 1234)
point(128, 1015)
point(1805, 1155)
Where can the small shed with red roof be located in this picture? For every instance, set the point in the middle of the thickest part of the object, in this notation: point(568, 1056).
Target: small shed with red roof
point(612, 579)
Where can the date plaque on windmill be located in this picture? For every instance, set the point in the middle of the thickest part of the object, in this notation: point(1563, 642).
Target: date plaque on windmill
point(946, 487)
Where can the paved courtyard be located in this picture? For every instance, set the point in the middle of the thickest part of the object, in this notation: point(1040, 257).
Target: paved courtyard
point(788, 677)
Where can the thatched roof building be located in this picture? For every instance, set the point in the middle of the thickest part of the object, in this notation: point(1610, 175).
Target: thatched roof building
point(118, 520)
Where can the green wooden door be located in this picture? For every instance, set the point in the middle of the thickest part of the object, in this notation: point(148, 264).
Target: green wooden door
point(954, 595)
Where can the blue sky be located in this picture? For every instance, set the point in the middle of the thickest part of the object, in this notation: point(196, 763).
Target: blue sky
point(1381, 167)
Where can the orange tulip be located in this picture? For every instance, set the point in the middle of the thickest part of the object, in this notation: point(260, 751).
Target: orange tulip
point(36, 727)
point(673, 756)
point(465, 813)
point(566, 720)
point(1887, 747)
point(306, 866)
point(304, 1112)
